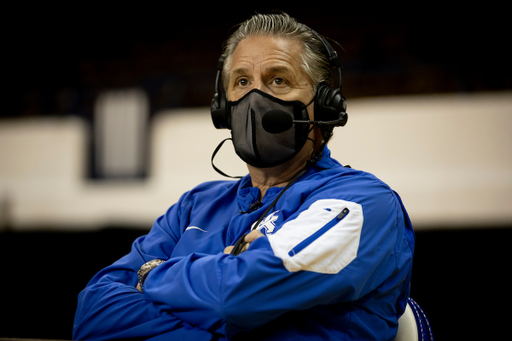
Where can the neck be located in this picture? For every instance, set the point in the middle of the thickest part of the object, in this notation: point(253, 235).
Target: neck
point(278, 176)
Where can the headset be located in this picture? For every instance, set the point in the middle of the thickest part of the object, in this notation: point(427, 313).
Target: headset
point(330, 104)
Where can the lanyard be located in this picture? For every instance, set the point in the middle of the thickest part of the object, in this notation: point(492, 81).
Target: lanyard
point(237, 249)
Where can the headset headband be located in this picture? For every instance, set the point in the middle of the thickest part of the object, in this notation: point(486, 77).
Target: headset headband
point(332, 56)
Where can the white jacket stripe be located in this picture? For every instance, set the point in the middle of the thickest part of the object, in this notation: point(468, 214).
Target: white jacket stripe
point(324, 238)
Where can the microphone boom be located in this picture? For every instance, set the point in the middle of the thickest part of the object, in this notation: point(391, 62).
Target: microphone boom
point(277, 121)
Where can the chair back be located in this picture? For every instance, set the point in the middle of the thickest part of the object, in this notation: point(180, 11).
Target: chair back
point(413, 325)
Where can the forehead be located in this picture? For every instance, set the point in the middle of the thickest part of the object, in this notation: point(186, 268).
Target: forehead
point(267, 52)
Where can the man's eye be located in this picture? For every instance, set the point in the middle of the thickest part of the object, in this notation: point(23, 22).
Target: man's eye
point(243, 82)
point(279, 81)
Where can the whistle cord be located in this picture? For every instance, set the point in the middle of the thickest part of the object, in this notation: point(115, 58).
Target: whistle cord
point(237, 249)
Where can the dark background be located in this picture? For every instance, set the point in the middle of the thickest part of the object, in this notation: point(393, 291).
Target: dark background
point(57, 60)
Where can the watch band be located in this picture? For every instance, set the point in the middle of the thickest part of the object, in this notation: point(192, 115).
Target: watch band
point(146, 268)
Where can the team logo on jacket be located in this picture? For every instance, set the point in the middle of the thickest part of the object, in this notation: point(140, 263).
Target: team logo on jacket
point(269, 223)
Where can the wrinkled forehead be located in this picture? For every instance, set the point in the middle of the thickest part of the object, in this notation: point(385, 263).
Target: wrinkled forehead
point(267, 51)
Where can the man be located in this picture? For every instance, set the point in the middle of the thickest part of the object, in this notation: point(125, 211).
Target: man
point(300, 248)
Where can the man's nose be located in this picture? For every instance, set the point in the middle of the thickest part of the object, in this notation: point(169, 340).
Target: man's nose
point(259, 84)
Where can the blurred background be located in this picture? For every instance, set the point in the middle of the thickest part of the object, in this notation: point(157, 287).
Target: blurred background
point(105, 123)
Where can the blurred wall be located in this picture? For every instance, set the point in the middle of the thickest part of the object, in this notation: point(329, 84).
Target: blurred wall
point(448, 155)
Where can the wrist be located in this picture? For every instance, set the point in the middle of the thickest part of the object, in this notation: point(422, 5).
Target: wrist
point(145, 269)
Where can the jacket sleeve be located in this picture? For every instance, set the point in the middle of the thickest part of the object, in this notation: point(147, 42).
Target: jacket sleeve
point(111, 307)
point(332, 250)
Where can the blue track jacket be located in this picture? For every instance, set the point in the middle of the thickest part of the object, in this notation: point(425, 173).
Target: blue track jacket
point(334, 264)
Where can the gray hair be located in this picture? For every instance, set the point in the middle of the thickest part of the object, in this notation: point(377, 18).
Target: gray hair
point(314, 60)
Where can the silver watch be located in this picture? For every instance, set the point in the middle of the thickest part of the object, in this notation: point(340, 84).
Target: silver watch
point(146, 268)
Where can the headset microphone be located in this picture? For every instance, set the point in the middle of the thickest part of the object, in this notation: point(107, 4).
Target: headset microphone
point(277, 121)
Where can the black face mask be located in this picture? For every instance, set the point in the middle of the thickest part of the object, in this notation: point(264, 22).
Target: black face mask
point(255, 140)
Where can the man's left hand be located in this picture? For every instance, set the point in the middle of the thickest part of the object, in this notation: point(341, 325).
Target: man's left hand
point(252, 236)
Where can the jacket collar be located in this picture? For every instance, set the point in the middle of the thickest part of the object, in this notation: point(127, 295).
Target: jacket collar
point(248, 195)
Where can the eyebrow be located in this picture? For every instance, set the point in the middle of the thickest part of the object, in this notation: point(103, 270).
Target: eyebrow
point(243, 70)
point(278, 69)
point(239, 71)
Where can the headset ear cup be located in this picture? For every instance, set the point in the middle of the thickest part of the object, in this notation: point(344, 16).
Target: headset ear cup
point(321, 93)
point(339, 103)
point(219, 106)
point(330, 105)
point(219, 112)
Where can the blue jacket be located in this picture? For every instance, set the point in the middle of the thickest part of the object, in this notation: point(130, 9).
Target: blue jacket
point(334, 264)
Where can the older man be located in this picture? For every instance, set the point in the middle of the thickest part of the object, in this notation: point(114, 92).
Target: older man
point(300, 248)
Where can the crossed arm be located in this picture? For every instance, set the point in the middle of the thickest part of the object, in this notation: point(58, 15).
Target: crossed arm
point(248, 239)
point(113, 306)
point(205, 296)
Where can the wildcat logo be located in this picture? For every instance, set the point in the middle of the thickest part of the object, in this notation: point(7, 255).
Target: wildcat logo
point(268, 224)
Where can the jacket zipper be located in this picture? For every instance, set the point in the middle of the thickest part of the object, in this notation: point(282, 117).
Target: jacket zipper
point(302, 245)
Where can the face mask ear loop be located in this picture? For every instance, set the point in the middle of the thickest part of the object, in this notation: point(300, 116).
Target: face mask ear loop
point(312, 124)
point(213, 156)
point(312, 100)
point(316, 156)
point(313, 159)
